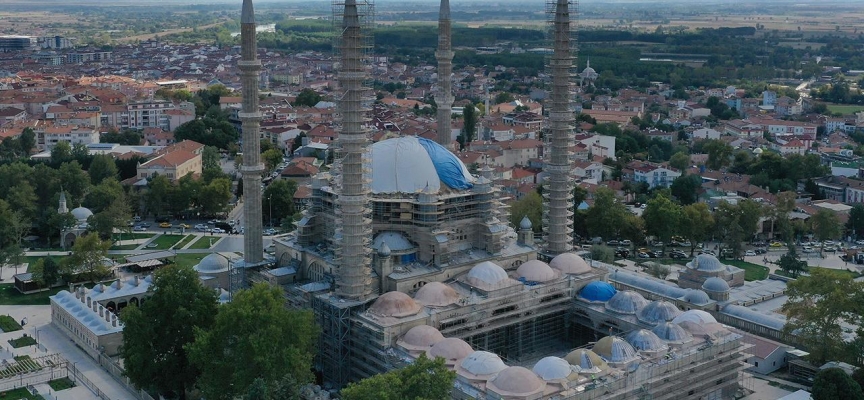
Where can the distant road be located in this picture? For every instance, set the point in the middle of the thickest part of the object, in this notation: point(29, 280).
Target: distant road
point(168, 32)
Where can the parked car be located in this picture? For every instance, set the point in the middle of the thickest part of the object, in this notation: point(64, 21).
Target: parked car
point(217, 230)
point(710, 252)
point(139, 228)
point(749, 253)
point(622, 253)
point(776, 244)
point(807, 249)
point(677, 254)
point(145, 224)
point(643, 254)
point(612, 242)
point(184, 226)
point(165, 225)
point(626, 243)
point(760, 251)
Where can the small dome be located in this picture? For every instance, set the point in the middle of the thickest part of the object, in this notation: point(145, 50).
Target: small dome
point(483, 363)
point(384, 250)
point(645, 340)
point(395, 241)
point(615, 349)
point(570, 263)
point(706, 329)
point(525, 223)
point(552, 368)
point(81, 214)
point(436, 294)
point(697, 297)
point(697, 316)
point(658, 311)
point(585, 359)
point(394, 304)
point(706, 263)
point(626, 302)
point(517, 381)
point(422, 337)
point(536, 271)
point(487, 276)
point(211, 264)
point(451, 350)
point(715, 284)
point(597, 291)
point(758, 151)
point(672, 333)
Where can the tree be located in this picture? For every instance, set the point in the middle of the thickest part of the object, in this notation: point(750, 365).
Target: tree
point(307, 97)
point(210, 158)
point(113, 217)
point(156, 196)
point(531, 206)
point(88, 257)
point(817, 306)
point(61, 153)
point(424, 379)
point(254, 336)
point(685, 188)
point(736, 223)
point(790, 263)
point(272, 158)
point(603, 254)
point(283, 389)
point(214, 196)
point(718, 152)
point(27, 141)
point(680, 161)
point(825, 225)
point(278, 198)
point(662, 217)
point(834, 383)
point(856, 220)
point(657, 270)
point(156, 334)
point(75, 182)
point(101, 168)
point(606, 216)
point(503, 97)
point(470, 127)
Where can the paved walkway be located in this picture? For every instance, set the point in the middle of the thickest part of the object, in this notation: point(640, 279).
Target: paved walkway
point(39, 326)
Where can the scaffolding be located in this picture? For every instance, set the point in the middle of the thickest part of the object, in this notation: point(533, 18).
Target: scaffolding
point(334, 344)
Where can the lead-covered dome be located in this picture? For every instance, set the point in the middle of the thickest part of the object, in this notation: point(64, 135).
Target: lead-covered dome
point(570, 263)
point(706, 263)
point(536, 271)
point(626, 302)
point(436, 294)
point(81, 214)
point(697, 297)
point(483, 363)
point(552, 368)
point(211, 264)
point(451, 350)
point(696, 316)
point(598, 291)
point(394, 304)
point(645, 340)
point(658, 311)
point(525, 223)
point(517, 381)
point(715, 284)
point(586, 360)
point(672, 333)
point(409, 164)
point(421, 337)
point(615, 349)
point(487, 276)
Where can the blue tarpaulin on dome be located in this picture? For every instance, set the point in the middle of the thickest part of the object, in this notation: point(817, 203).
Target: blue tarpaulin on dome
point(450, 170)
point(598, 291)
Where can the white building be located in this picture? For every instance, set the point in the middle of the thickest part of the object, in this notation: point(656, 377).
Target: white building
point(600, 146)
point(49, 136)
point(90, 325)
point(655, 175)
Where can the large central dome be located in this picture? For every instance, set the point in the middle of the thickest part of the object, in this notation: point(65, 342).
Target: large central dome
point(410, 164)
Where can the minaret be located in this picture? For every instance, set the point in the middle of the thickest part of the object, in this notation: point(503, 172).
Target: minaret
point(252, 168)
point(444, 55)
point(558, 218)
point(354, 232)
point(62, 208)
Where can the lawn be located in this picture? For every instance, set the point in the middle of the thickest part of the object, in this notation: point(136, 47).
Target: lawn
point(23, 341)
point(20, 393)
point(165, 242)
point(130, 236)
point(752, 272)
point(9, 296)
point(125, 247)
point(9, 324)
point(183, 242)
point(189, 259)
point(844, 109)
point(61, 384)
point(203, 243)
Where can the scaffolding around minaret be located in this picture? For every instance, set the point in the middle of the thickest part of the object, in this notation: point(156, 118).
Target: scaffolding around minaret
point(558, 196)
point(444, 93)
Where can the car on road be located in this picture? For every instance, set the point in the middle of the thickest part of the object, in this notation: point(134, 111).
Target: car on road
point(184, 226)
point(749, 253)
point(165, 225)
point(145, 224)
point(643, 254)
point(776, 244)
point(612, 242)
point(622, 253)
point(709, 252)
point(139, 228)
point(760, 251)
point(859, 242)
point(626, 243)
point(677, 254)
point(217, 230)
point(201, 227)
point(807, 249)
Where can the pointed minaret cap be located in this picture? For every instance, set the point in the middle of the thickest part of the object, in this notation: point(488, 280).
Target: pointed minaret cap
point(350, 18)
point(247, 16)
point(62, 196)
point(444, 12)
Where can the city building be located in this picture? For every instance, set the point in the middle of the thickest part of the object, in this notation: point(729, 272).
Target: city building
point(90, 325)
point(174, 161)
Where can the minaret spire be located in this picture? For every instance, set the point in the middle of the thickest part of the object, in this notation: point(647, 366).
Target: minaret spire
point(354, 275)
point(250, 67)
point(558, 218)
point(444, 55)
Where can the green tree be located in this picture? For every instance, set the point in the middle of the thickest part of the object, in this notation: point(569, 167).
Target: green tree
point(307, 97)
point(272, 158)
point(817, 306)
point(61, 153)
point(424, 379)
point(790, 263)
point(27, 141)
point(606, 216)
point(696, 223)
point(469, 129)
point(254, 336)
point(680, 161)
point(115, 216)
point(825, 225)
point(210, 158)
point(75, 182)
point(657, 270)
point(685, 188)
point(603, 254)
point(278, 198)
point(503, 97)
point(855, 224)
point(156, 334)
point(531, 206)
point(101, 168)
point(834, 383)
point(214, 196)
point(88, 257)
point(662, 218)
point(719, 153)
point(156, 196)
point(737, 223)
